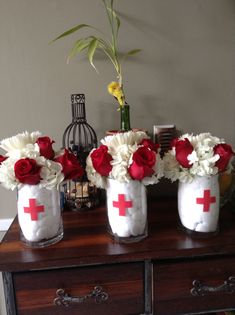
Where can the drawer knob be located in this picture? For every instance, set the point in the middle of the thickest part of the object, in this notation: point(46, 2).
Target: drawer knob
point(64, 299)
point(199, 288)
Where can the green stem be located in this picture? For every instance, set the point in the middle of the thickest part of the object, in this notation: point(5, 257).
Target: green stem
point(125, 118)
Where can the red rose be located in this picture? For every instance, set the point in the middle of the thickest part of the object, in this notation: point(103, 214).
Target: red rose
point(45, 146)
point(101, 160)
point(70, 165)
point(2, 158)
point(173, 142)
point(143, 161)
point(150, 144)
point(225, 152)
point(27, 171)
point(182, 150)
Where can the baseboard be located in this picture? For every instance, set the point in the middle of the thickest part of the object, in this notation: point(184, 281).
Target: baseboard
point(5, 224)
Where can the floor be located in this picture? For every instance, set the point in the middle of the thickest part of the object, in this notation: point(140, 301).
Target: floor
point(2, 301)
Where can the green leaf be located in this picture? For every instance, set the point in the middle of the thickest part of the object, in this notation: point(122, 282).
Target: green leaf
point(91, 50)
point(118, 22)
point(71, 31)
point(79, 46)
point(107, 49)
point(132, 52)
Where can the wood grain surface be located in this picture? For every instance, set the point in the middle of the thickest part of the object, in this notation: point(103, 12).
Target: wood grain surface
point(86, 241)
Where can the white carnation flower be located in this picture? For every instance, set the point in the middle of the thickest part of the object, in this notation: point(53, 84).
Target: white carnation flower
point(202, 160)
point(158, 172)
point(98, 180)
point(192, 158)
point(51, 173)
point(121, 147)
point(123, 156)
point(120, 173)
point(7, 174)
point(185, 177)
point(171, 166)
point(29, 151)
point(19, 142)
point(24, 146)
point(126, 138)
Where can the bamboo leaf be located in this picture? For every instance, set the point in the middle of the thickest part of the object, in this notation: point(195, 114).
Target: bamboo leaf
point(91, 50)
point(107, 49)
point(106, 46)
point(132, 52)
point(79, 46)
point(108, 13)
point(71, 31)
point(118, 22)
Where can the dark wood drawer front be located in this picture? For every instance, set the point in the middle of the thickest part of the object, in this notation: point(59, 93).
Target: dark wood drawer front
point(124, 284)
point(175, 291)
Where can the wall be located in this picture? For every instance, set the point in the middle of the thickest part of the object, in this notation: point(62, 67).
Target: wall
point(184, 75)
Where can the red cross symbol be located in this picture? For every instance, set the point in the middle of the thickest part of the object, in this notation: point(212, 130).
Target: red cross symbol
point(206, 200)
point(121, 204)
point(33, 209)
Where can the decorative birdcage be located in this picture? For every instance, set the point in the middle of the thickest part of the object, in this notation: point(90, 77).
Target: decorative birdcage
point(80, 138)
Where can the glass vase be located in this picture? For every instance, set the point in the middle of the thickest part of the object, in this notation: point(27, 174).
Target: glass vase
point(127, 211)
point(198, 205)
point(39, 216)
point(125, 124)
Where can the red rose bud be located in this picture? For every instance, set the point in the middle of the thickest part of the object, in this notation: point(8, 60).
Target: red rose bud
point(45, 146)
point(101, 160)
point(143, 161)
point(173, 142)
point(182, 150)
point(150, 144)
point(27, 171)
point(2, 158)
point(71, 168)
point(225, 152)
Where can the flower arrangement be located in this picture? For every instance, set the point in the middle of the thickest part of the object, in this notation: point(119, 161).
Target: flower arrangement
point(108, 46)
point(30, 159)
point(125, 157)
point(199, 155)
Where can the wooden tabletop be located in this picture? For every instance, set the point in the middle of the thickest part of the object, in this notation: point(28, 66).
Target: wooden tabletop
point(86, 241)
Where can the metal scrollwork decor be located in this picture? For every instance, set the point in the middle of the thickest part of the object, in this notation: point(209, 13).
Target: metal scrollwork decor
point(64, 299)
point(200, 289)
point(80, 138)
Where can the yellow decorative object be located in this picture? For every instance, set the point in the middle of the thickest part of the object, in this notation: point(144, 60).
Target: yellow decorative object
point(116, 90)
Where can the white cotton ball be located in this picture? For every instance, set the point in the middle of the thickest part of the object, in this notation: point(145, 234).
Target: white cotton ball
point(194, 215)
point(133, 222)
point(47, 222)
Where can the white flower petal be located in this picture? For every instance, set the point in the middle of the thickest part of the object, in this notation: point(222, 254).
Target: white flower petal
point(19, 141)
point(121, 147)
point(202, 159)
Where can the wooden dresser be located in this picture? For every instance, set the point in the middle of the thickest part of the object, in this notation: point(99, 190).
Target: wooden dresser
point(87, 273)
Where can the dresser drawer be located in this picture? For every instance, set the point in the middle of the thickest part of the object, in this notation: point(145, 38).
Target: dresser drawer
point(194, 286)
point(36, 290)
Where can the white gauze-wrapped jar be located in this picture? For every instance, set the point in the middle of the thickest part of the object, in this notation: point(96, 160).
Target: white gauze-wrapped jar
point(39, 215)
point(127, 210)
point(198, 204)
